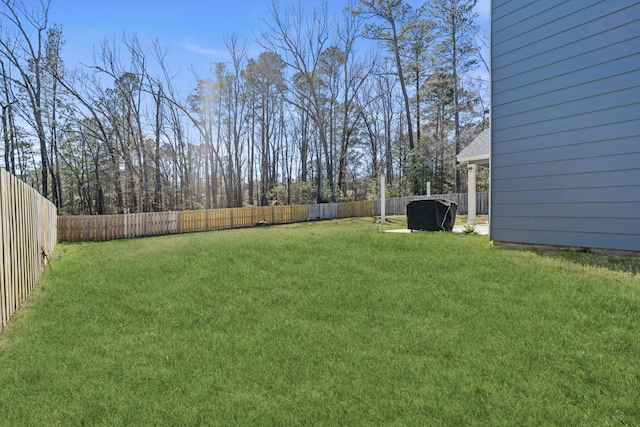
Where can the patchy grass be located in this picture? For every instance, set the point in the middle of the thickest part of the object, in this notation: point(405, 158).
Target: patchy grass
point(326, 323)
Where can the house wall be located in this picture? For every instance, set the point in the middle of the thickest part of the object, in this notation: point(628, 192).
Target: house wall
point(565, 153)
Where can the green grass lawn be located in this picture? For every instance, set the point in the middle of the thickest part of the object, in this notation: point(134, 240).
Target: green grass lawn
point(328, 323)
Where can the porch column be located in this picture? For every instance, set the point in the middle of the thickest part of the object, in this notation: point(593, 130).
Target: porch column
point(472, 170)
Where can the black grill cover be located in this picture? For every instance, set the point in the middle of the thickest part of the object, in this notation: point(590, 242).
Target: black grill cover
point(431, 215)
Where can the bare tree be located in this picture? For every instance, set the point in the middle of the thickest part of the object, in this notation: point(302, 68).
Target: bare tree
point(236, 118)
point(23, 36)
point(300, 40)
point(417, 51)
point(92, 125)
point(8, 123)
point(397, 19)
point(52, 101)
point(265, 85)
point(355, 72)
point(204, 104)
point(456, 31)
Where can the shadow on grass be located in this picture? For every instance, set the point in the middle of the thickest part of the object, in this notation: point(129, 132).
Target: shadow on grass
point(624, 264)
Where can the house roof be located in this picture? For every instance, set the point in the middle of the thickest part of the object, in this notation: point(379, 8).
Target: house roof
point(478, 151)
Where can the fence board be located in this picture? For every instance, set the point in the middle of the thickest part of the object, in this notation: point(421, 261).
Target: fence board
point(28, 236)
point(4, 255)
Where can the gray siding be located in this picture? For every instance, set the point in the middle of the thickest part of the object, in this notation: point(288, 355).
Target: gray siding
point(565, 150)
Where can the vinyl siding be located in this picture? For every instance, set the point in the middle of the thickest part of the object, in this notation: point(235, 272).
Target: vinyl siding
point(565, 150)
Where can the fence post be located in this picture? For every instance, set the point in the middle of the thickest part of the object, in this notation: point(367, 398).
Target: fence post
point(383, 200)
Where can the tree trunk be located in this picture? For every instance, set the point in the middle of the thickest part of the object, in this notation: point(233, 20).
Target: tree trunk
point(157, 194)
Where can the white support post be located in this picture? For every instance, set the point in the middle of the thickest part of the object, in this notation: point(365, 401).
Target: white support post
point(428, 188)
point(383, 202)
point(472, 170)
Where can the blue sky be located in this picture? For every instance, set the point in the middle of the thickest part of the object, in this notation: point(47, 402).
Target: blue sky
point(192, 30)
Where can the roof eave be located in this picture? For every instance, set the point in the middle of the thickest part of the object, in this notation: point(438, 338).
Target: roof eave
point(480, 158)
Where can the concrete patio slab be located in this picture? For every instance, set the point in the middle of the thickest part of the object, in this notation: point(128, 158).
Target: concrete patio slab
point(482, 229)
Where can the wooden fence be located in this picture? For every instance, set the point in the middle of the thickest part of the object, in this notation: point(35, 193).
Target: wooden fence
point(109, 227)
point(27, 238)
point(398, 206)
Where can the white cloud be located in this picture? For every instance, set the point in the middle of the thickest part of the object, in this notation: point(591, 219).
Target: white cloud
point(202, 50)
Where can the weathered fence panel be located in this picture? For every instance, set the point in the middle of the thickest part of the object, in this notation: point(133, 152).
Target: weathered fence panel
point(323, 211)
point(28, 236)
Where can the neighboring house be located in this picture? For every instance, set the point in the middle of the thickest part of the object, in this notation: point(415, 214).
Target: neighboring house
point(565, 142)
point(475, 155)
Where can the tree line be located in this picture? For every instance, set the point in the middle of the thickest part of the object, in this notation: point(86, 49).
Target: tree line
point(330, 103)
